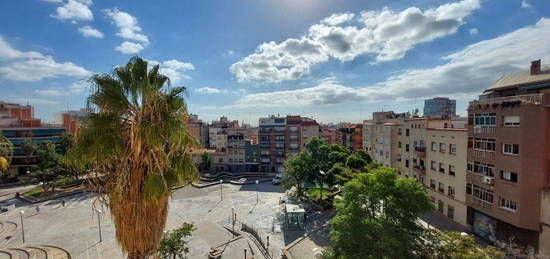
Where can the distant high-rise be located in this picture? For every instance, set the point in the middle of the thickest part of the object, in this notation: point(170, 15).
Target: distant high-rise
point(442, 107)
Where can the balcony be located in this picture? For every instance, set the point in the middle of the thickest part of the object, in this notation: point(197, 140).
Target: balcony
point(482, 156)
point(510, 101)
point(488, 130)
point(478, 204)
point(420, 151)
point(419, 169)
point(484, 181)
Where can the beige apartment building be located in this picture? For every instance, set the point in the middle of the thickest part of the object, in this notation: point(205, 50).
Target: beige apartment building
point(385, 144)
point(446, 171)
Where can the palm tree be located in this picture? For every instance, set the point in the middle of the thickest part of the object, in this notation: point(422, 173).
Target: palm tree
point(29, 147)
point(138, 142)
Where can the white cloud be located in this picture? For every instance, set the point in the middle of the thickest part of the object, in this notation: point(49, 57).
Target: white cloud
point(473, 31)
point(174, 69)
point(75, 10)
point(74, 88)
point(89, 31)
point(385, 34)
point(129, 47)
point(210, 90)
point(33, 66)
point(525, 4)
point(338, 18)
point(465, 73)
point(127, 25)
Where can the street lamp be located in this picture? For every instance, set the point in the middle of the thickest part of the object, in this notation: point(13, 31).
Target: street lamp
point(99, 223)
point(221, 189)
point(257, 182)
point(322, 173)
point(22, 226)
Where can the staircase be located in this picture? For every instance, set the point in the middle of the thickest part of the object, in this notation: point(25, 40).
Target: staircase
point(8, 229)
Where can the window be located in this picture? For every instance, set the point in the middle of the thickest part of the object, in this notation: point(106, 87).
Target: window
point(280, 138)
point(220, 160)
point(293, 145)
point(508, 204)
point(432, 184)
point(484, 144)
point(451, 191)
point(450, 211)
point(433, 165)
point(509, 176)
point(399, 131)
point(293, 129)
point(280, 145)
point(387, 154)
point(511, 121)
point(441, 188)
point(230, 160)
point(406, 132)
point(399, 157)
point(399, 144)
point(407, 147)
point(485, 119)
point(483, 194)
point(440, 206)
point(452, 149)
point(407, 163)
point(452, 170)
point(434, 146)
point(441, 168)
point(469, 188)
point(482, 169)
point(442, 147)
point(510, 149)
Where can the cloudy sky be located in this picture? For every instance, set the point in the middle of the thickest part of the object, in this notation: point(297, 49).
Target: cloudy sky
point(336, 60)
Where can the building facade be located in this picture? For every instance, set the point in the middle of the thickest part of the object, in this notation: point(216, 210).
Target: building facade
point(446, 171)
point(441, 107)
point(281, 137)
point(508, 172)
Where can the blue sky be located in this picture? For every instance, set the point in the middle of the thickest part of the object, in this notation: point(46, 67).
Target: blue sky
point(333, 60)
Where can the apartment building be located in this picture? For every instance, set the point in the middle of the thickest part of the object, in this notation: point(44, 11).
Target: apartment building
point(281, 137)
point(411, 146)
point(445, 172)
point(508, 169)
point(384, 147)
point(198, 129)
point(351, 136)
point(17, 124)
point(331, 134)
point(242, 154)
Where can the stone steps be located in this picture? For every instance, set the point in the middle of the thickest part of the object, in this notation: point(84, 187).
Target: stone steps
point(34, 252)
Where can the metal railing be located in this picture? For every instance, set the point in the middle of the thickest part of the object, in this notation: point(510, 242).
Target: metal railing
point(528, 99)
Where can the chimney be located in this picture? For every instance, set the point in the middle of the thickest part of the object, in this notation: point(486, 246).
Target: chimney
point(535, 67)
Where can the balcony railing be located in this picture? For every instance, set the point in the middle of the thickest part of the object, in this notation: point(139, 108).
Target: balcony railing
point(420, 151)
point(419, 169)
point(482, 129)
point(486, 156)
point(479, 204)
point(528, 99)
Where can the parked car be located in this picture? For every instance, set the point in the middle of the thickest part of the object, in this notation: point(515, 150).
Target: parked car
point(276, 180)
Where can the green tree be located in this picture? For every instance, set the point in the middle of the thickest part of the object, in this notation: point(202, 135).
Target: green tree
point(298, 171)
point(377, 217)
point(6, 149)
point(174, 243)
point(49, 166)
point(206, 161)
point(29, 147)
point(460, 245)
point(138, 140)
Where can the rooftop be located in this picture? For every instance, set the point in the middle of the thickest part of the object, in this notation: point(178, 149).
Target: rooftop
point(521, 78)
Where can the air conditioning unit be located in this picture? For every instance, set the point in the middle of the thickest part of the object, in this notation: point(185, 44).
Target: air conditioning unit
point(488, 180)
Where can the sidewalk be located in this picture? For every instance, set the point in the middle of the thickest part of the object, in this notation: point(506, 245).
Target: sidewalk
point(433, 219)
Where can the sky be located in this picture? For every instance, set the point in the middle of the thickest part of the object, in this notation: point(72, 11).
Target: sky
point(335, 61)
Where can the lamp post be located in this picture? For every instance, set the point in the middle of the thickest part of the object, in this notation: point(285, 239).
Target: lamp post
point(22, 226)
point(257, 182)
point(322, 173)
point(99, 224)
point(221, 189)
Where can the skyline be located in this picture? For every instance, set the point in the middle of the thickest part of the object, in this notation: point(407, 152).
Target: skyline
point(322, 60)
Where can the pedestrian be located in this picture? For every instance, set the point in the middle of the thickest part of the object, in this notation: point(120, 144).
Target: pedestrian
point(63, 203)
point(37, 209)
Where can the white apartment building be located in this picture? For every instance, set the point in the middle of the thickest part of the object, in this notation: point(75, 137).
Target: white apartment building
point(446, 156)
point(217, 137)
point(385, 144)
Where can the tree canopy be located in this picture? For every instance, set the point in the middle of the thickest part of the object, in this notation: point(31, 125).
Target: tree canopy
point(174, 243)
point(377, 217)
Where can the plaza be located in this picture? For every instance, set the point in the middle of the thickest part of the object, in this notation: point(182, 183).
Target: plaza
point(74, 227)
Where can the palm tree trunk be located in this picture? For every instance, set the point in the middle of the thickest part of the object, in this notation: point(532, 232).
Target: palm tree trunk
point(139, 223)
